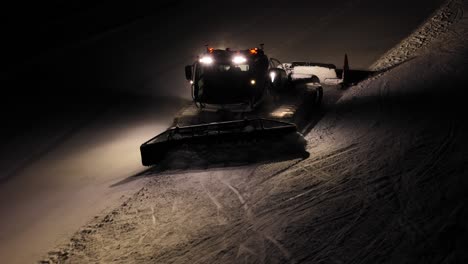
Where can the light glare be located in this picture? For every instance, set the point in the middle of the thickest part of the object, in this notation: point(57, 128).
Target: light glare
point(272, 76)
point(239, 59)
point(206, 60)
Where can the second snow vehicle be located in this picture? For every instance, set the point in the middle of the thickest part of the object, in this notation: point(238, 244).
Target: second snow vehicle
point(235, 86)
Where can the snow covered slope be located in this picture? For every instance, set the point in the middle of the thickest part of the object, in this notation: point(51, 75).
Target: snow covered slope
point(385, 183)
point(429, 32)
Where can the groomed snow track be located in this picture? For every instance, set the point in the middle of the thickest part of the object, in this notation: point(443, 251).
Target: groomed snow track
point(384, 183)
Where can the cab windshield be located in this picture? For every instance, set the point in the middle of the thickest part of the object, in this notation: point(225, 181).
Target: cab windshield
point(216, 68)
point(220, 72)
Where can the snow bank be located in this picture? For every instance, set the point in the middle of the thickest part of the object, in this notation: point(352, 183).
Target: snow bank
point(433, 29)
point(404, 131)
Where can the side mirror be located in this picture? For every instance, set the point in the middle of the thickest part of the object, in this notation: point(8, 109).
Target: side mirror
point(188, 72)
point(277, 78)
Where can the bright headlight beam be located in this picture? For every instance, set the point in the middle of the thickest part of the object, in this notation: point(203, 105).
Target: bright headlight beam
point(239, 59)
point(272, 76)
point(206, 60)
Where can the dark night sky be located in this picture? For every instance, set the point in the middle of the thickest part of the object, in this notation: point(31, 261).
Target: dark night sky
point(77, 49)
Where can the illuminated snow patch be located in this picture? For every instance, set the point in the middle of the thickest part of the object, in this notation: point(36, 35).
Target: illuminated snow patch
point(283, 111)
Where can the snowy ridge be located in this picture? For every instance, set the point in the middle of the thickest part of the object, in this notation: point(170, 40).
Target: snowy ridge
point(431, 30)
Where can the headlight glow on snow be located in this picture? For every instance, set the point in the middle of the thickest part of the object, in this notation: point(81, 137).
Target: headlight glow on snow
point(272, 76)
point(239, 59)
point(206, 60)
point(283, 111)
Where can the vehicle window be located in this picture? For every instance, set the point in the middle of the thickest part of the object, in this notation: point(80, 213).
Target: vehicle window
point(227, 67)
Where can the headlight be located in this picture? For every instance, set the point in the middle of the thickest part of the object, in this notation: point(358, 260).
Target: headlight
point(253, 82)
point(206, 60)
point(272, 76)
point(239, 59)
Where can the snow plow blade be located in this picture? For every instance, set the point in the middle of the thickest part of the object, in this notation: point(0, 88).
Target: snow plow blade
point(155, 149)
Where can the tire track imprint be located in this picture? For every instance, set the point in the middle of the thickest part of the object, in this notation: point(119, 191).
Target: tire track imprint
point(219, 207)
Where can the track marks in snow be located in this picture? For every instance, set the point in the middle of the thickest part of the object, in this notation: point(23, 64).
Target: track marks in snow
point(244, 249)
point(325, 202)
point(281, 248)
point(219, 207)
point(322, 159)
point(341, 204)
point(252, 220)
point(153, 218)
point(242, 201)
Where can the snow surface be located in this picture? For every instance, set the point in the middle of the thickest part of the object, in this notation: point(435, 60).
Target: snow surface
point(67, 173)
point(417, 43)
point(385, 183)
